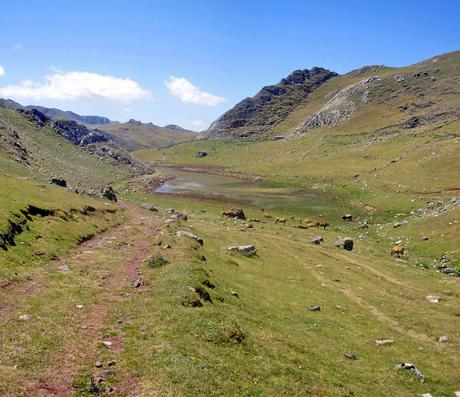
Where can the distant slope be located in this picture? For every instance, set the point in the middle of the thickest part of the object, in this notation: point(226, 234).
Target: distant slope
point(368, 99)
point(135, 135)
point(256, 115)
point(30, 143)
point(58, 114)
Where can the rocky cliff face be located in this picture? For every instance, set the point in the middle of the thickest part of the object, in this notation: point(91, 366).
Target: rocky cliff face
point(254, 116)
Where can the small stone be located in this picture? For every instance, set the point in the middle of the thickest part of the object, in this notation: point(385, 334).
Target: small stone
point(167, 246)
point(107, 343)
point(137, 283)
point(234, 293)
point(120, 321)
point(351, 356)
point(317, 240)
point(443, 338)
point(98, 364)
point(64, 268)
point(426, 395)
point(411, 368)
point(433, 298)
point(112, 363)
point(314, 308)
point(105, 374)
point(425, 238)
point(79, 306)
point(383, 342)
point(24, 317)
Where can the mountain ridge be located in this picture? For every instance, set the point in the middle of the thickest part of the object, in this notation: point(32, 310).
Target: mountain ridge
point(386, 97)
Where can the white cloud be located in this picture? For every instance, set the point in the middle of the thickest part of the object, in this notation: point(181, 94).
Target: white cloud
point(2, 71)
point(199, 124)
point(78, 86)
point(183, 89)
point(17, 46)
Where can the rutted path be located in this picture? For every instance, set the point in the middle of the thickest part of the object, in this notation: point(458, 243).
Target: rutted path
point(98, 273)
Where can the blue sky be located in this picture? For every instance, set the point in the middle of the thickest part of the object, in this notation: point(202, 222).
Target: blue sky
point(189, 61)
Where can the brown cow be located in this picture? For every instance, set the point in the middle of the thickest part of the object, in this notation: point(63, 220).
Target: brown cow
point(322, 224)
point(397, 251)
point(234, 213)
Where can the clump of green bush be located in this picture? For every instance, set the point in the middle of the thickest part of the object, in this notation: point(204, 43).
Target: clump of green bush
point(157, 261)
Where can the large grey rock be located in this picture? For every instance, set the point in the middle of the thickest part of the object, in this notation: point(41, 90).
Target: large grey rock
point(345, 243)
point(244, 249)
point(185, 233)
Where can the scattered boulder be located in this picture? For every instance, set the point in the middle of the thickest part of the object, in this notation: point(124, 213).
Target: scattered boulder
point(150, 207)
point(347, 217)
point(185, 233)
point(179, 215)
point(443, 339)
point(98, 364)
point(58, 181)
point(443, 264)
point(248, 250)
point(345, 243)
point(412, 369)
point(351, 356)
point(234, 293)
point(201, 153)
point(24, 317)
point(317, 239)
point(363, 225)
point(112, 363)
point(192, 299)
point(399, 78)
point(109, 194)
point(314, 308)
point(383, 342)
point(169, 210)
point(433, 298)
point(425, 238)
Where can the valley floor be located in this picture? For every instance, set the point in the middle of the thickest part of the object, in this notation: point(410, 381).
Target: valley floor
point(110, 318)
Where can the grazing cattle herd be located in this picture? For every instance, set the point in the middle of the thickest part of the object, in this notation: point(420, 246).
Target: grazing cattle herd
point(238, 213)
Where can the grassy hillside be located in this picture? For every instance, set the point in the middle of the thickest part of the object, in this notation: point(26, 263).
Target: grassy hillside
point(45, 153)
point(135, 135)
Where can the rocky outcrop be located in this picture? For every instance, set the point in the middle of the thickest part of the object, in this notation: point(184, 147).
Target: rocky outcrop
point(254, 116)
point(77, 133)
point(340, 107)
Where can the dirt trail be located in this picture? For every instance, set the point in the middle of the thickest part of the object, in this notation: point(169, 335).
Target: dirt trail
point(113, 259)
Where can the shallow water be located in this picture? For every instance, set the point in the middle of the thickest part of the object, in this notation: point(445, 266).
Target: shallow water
point(259, 194)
